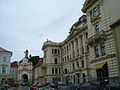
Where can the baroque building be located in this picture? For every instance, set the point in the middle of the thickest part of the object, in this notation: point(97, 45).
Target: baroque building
point(91, 50)
point(25, 70)
point(103, 61)
point(67, 61)
point(5, 57)
point(52, 63)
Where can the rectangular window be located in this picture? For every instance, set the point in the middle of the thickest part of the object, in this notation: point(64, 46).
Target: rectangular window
point(52, 51)
point(52, 70)
point(96, 51)
point(55, 61)
point(55, 51)
point(59, 71)
point(56, 71)
point(96, 11)
point(3, 70)
point(77, 64)
point(82, 64)
point(4, 59)
point(77, 53)
point(102, 46)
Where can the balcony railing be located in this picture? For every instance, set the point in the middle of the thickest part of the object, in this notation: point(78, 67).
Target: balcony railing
point(96, 38)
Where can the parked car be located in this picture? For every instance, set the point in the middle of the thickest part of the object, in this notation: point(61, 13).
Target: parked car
point(113, 86)
point(25, 84)
point(74, 86)
point(90, 86)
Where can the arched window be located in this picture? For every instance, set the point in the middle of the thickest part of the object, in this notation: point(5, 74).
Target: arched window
point(55, 60)
point(97, 28)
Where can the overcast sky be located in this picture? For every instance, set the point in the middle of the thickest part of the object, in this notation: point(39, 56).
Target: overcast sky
point(27, 24)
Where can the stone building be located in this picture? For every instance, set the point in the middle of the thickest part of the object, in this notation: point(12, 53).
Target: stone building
point(103, 61)
point(116, 34)
point(67, 61)
point(91, 50)
point(75, 53)
point(52, 63)
point(14, 70)
point(39, 71)
point(5, 57)
point(25, 70)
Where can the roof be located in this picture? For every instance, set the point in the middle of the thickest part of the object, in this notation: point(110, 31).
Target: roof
point(4, 50)
point(40, 62)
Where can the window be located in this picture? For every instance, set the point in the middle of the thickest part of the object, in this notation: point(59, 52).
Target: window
point(84, 79)
point(96, 11)
point(87, 49)
point(52, 51)
point(77, 53)
point(72, 45)
point(3, 70)
point(86, 34)
point(82, 62)
point(65, 71)
point(52, 70)
point(82, 49)
point(56, 71)
point(4, 59)
point(67, 58)
point(96, 51)
point(59, 71)
point(77, 64)
point(73, 54)
point(76, 40)
point(102, 46)
point(55, 51)
point(55, 61)
point(97, 28)
point(73, 66)
point(81, 40)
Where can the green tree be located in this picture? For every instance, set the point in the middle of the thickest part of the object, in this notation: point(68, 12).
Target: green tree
point(34, 60)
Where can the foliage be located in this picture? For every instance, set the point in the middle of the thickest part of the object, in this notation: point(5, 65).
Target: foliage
point(34, 60)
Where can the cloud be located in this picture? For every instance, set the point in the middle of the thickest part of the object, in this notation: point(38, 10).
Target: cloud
point(28, 23)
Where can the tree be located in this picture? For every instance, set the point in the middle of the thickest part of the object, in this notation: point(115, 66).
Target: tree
point(34, 60)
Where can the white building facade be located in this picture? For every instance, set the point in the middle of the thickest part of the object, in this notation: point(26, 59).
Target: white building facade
point(5, 57)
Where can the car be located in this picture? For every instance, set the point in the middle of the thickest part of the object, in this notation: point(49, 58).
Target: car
point(74, 86)
point(25, 84)
point(91, 86)
point(113, 86)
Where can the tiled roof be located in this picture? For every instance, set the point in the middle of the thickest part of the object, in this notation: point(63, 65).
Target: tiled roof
point(4, 50)
point(40, 62)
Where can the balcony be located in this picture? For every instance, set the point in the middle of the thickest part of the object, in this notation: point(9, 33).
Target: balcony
point(98, 37)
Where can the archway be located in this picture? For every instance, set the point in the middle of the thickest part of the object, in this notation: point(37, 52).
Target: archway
point(25, 78)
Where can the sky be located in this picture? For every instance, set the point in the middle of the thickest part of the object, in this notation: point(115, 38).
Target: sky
point(27, 24)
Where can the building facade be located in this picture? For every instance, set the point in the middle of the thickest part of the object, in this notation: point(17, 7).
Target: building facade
point(67, 61)
point(75, 53)
point(89, 51)
point(116, 31)
point(5, 57)
point(103, 61)
point(39, 71)
point(14, 70)
point(25, 70)
point(52, 62)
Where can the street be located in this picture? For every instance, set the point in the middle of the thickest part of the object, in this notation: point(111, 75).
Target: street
point(19, 88)
point(27, 88)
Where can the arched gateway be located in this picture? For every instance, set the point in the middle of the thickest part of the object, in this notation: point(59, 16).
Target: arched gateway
point(25, 78)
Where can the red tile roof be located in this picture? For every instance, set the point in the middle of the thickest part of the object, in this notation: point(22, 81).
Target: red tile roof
point(4, 50)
